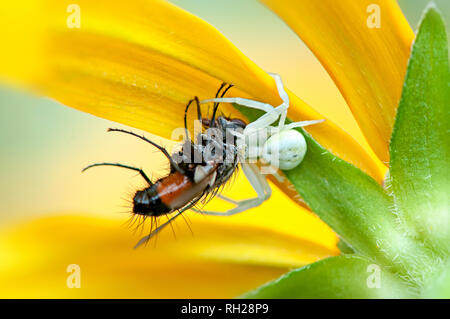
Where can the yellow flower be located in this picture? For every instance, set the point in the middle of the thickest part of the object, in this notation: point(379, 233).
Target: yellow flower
point(138, 63)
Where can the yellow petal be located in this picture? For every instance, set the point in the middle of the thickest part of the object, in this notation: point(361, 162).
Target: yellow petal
point(367, 64)
point(138, 63)
point(218, 261)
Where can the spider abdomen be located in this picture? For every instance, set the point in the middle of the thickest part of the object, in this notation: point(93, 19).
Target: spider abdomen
point(285, 149)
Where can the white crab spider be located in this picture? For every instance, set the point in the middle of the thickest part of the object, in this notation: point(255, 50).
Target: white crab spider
point(283, 147)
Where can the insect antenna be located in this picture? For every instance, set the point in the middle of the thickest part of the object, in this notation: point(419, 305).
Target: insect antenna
point(162, 149)
point(220, 89)
point(216, 105)
point(123, 166)
point(199, 114)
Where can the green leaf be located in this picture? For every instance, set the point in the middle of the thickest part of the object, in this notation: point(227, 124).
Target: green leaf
point(335, 277)
point(354, 205)
point(420, 144)
point(439, 286)
point(344, 247)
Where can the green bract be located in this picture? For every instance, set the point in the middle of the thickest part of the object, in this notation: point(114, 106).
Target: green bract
point(399, 234)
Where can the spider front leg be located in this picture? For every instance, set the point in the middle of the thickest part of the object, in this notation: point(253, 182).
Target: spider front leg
point(259, 184)
point(284, 96)
point(244, 102)
point(280, 87)
point(272, 113)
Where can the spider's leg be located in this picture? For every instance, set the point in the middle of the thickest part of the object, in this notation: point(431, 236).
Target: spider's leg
point(241, 101)
point(265, 120)
point(259, 184)
point(227, 199)
point(262, 122)
point(302, 123)
point(284, 96)
point(281, 91)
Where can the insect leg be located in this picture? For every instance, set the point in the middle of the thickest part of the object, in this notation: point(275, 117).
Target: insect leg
point(162, 149)
point(259, 184)
point(124, 166)
point(160, 227)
